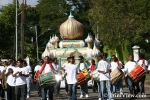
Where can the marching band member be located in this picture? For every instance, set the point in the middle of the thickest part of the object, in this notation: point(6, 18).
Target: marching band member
point(71, 71)
point(103, 68)
point(142, 62)
point(20, 73)
point(57, 69)
point(83, 87)
point(28, 79)
point(129, 66)
point(93, 67)
point(10, 80)
point(47, 93)
point(63, 68)
point(38, 68)
point(114, 64)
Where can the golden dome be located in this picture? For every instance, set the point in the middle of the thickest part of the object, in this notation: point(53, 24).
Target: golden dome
point(71, 29)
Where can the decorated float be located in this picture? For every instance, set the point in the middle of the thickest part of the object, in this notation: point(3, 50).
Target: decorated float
point(70, 44)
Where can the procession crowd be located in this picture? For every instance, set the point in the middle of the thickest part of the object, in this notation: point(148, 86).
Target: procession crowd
point(16, 77)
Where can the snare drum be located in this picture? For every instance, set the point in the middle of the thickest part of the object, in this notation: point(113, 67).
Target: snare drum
point(137, 73)
point(83, 77)
point(95, 75)
point(116, 76)
point(47, 79)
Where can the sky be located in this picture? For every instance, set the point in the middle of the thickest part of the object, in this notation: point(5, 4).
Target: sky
point(29, 2)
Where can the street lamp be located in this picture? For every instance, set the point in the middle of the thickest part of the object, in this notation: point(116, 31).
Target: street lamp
point(37, 36)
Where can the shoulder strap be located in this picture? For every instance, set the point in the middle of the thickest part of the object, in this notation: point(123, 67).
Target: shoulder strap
point(43, 66)
point(96, 66)
point(118, 63)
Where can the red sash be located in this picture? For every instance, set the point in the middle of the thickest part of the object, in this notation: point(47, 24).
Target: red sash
point(36, 76)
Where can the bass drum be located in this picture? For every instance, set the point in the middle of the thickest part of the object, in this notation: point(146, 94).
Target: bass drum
point(137, 73)
point(95, 75)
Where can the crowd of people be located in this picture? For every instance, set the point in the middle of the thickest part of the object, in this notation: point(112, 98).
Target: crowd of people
point(16, 77)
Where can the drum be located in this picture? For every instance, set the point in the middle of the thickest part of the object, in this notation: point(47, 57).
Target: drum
point(95, 75)
point(83, 77)
point(116, 76)
point(47, 79)
point(137, 73)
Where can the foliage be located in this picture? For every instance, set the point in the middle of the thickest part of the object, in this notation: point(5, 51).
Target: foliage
point(122, 21)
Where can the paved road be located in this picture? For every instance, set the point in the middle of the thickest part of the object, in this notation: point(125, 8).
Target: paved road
point(92, 96)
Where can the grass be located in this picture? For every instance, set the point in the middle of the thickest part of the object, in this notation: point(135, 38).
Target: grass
point(148, 77)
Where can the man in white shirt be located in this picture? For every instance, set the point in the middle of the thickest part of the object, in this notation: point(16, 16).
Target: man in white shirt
point(38, 68)
point(20, 73)
point(63, 68)
point(28, 79)
point(103, 68)
point(83, 87)
point(57, 70)
point(71, 71)
point(143, 62)
point(10, 80)
point(116, 64)
point(129, 66)
point(47, 92)
point(149, 68)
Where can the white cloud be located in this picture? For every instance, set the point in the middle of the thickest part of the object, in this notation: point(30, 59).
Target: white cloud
point(29, 2)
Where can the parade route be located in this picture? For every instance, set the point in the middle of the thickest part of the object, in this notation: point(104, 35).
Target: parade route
point(92, 96)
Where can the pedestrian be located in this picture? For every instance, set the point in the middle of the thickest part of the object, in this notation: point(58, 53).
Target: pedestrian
point(116, 64)
point(28, 79)
point(10, 81)
point(83, 87)
point(93, 67)
point(129, 66)
point(20, 73)
point(71, 71)
point(57, 70)
point(47, 92)
point(103, 68)
point(1, 88)
point(143, 63)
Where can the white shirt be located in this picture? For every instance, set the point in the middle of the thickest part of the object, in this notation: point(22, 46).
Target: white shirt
point(143, 64)
point(37, 68)
point(71, 70)
point(114, 65)
point(1, 70)
point(29, 71)
point(103, 66)
point(129, 66)
point(47, 69)
point(81, 67)
point(10, 78)
point(149, 67)
point(20, 80)
point(56, 67)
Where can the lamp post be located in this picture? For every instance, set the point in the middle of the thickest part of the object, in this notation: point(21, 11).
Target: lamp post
point(16, 30)
point(37, 36)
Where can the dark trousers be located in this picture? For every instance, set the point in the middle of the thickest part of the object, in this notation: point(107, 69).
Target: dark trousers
point(142, 81)
point(10, 92)
point(57, 88)
point(47, 93)
point(20, 92)
point(132, 86)
point(72, 91)
point(66, 86)
point(1, 91)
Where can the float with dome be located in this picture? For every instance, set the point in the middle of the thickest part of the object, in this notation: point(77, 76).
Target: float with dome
point(70, 31)
point(70, 44)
